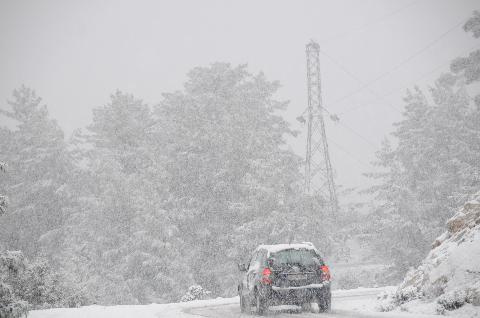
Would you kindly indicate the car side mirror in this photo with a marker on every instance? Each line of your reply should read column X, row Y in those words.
column 242, row 267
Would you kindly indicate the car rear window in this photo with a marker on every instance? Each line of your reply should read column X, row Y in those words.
column 296, row 256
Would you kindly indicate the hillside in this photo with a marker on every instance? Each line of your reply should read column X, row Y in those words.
column 448, row 280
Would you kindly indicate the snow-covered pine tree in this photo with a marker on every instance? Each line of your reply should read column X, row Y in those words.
column 3, row 198
column 37, row 183
column 38, row 177
column 228, row 170
column 469, row 66
column 434, row 167
column 124, row 245
column 12, row 266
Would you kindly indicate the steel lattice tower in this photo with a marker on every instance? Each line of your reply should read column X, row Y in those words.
column 318, row 169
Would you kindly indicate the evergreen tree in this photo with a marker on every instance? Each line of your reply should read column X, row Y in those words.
column 226, row 165
column 38, row 178
column 123, row 241
column 3, row 198
column 434, row 166
column 12, row 266
column 469, row 66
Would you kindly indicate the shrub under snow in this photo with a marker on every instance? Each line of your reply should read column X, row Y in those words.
column 195, row 292
column 12, row 265
column 28, row 285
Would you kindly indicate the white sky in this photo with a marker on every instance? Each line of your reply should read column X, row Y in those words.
column 76, row 53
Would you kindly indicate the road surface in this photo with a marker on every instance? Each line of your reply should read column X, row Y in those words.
column 350, row 304
column 356, row 303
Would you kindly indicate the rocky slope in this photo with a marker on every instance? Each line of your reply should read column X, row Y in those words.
column 449, row 277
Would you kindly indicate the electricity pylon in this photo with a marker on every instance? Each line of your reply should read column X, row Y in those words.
column 318, row 169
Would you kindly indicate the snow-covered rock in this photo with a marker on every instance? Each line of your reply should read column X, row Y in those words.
column 449, row 277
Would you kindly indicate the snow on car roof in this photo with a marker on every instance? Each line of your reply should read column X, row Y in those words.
column 280, row 247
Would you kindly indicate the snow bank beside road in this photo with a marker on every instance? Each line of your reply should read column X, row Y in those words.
column 449, row 277
column 129, row 311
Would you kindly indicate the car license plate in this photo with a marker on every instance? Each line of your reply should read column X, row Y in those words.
column 296, row 277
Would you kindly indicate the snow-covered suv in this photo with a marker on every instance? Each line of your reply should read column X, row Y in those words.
column 284, row 274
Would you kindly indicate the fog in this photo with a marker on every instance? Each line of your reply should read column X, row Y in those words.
column 228, row 158
column 77, row 53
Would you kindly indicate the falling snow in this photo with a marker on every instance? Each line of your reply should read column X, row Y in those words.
column 218, row 195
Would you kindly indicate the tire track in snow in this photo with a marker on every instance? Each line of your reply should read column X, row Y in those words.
column 232, row 310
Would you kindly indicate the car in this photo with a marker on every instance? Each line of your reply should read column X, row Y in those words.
column 284, row 274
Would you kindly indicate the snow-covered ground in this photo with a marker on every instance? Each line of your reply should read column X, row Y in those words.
column 359, row 303
column 448, row 280
column 128, row 311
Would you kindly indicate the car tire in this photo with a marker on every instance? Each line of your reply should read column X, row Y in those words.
column 260, row 304
column 242, row 304
column 324, row 303
column 306, row 307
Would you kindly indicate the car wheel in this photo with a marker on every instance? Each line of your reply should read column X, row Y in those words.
column 245, row 304
column 306, row 307
column 324, row 303
column 242, row 304
column 260, row 304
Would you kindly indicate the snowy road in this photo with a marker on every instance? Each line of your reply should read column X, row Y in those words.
column 356, row 303
column 346, row 304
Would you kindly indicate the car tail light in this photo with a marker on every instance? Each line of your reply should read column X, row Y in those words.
column 266, row 276
column 325, row 272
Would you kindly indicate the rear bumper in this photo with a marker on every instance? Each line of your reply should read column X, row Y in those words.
column 307, row 287
column 295, row 295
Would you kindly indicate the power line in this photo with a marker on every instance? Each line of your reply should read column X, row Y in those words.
column 361, row 82
column 343, row 68
column 370, row 143
column 360, row 136
column 370, row 23
column 367, row 84
column 354, row 157
column 353, row 131
column 403, row 62
column 412, row 82
column 423, row 75
column 383, row 96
